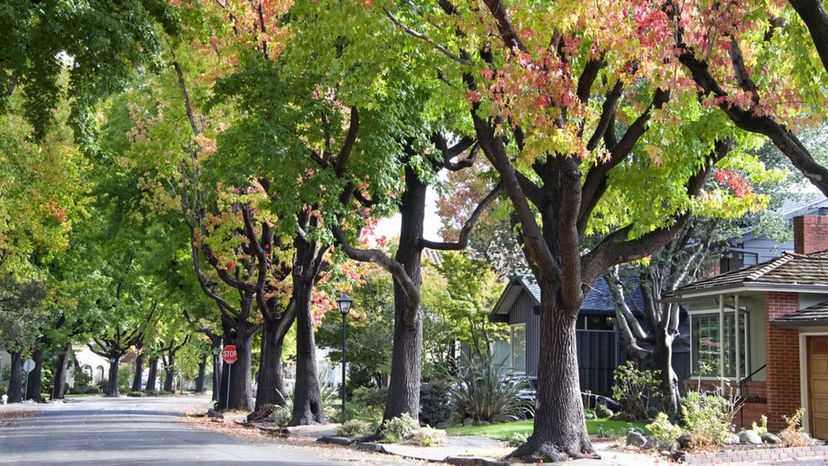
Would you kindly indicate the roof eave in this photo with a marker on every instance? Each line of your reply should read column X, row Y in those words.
column 746, row 287
column 798, row 323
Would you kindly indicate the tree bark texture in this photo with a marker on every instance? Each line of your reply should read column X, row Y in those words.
column 270, row 380
column 216, row 344
column 307, row 395
column 169, row 371
column 34, row 385
column 406, row 363
column 202, row 373
column 59, row 376
column 112, row 386
column 15, row 390
column 559, row 425
column 137, row 380
column 152, row 374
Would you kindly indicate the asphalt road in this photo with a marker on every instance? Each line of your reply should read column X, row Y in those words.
column 140, row 431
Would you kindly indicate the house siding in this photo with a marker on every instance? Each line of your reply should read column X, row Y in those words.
column 522, row 312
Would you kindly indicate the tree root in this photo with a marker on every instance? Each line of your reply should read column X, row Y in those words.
column 534, row 451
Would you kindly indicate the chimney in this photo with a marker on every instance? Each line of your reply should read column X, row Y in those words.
column 810, row 233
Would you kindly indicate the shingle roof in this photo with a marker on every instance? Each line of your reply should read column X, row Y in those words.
column 597, row 299
column 787, row 269
column 813, row 315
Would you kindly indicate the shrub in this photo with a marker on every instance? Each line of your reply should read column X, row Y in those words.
column 707, row 418
column 484, row 393
column 664, row 431
column 399, row 428
column 84, row 390
column 354, row 428
column 435, row 402
column 517, row 439
column 429, row 437
column 281, row 416
column 791, row 435
column 368, row 402
column 762, row 428
column 635, row 390
column 135, row 394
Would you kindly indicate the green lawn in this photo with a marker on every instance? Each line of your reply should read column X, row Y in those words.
column 505, row 430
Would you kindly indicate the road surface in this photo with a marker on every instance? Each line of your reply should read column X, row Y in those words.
column 142, row 431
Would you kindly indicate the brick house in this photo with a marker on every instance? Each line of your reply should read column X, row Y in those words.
column 762, row 331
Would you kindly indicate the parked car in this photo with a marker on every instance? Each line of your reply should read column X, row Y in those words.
column 529, row 393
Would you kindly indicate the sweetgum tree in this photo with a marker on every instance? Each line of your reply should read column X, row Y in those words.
column 602, row 149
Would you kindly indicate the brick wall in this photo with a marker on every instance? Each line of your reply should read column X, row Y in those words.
column 782, row 358
column 810, row 234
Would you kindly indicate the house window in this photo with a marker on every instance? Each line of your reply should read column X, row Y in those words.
column 518, row 343
column 706, row 346
column 605, row 323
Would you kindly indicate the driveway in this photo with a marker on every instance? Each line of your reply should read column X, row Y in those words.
column 141, row 431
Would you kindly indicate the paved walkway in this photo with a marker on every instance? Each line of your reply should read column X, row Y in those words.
column 141, row 431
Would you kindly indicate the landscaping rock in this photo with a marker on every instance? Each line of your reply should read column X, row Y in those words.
column 651, row 443
column 635, row 439
column 468, row 421
column 684, row 441
column 773, row 439
column 806, row 437
column 733, row 440
column 751, row 437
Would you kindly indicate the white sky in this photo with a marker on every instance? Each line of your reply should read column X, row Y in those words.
column 390, row 227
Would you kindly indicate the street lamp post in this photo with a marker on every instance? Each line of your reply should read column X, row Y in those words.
column 344, row 304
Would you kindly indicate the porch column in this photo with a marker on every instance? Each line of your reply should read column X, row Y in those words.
column 738, row 340
column 721, row 343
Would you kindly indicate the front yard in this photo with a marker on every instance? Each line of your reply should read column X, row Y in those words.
column 505, row 430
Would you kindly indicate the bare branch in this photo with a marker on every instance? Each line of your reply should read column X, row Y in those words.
column 465, row 232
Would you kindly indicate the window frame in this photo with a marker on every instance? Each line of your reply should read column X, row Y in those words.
column 512, row 328
column 745, row 340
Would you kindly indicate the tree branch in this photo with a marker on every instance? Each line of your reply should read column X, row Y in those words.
column 465, row 232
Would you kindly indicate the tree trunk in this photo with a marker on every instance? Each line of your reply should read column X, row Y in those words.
column 34, row 385
column 559, row 426
column 59, row 377
column 215, row 344
column 307, row 396
column 202, row 372
column 270, row 380
column 152, row 374
column 663, row 358
column 406, row 364
column 169, row 371
column 137, row 380
column 112, row 386
column 15, row 391
column 241, row 395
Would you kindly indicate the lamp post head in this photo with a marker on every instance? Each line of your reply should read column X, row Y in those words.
column 344, row 304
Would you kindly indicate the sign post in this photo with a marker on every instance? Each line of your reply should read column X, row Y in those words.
column 28, row 366
column 229, row 355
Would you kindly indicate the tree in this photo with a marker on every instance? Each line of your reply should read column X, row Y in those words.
column 20, row 321
column 576, row 125
column 87, row 51
column 734, row 59
column 684, row 258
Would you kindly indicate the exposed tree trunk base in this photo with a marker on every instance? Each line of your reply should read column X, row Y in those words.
column 34, row 386
column 202, row 372
column 152, row 375
column 538, row 451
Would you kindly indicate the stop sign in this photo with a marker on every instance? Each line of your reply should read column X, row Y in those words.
column 229, row 354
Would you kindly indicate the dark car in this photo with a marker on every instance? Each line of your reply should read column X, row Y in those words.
column 529, row 393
